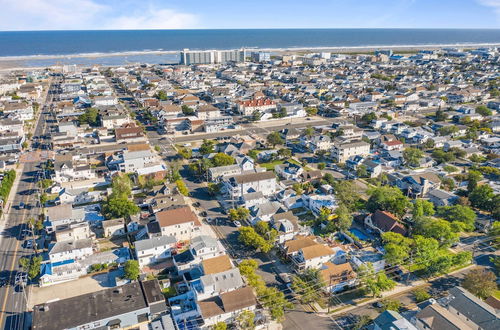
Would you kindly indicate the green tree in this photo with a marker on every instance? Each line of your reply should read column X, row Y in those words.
column 391, row 304
column 450, row 168
column 368, row 117
column 45, row 183
column 438, row 229
column 245, row 320
column 213, row 188
column 387, row 198
column 311, row 111
column 219, row 326
column 441, row 156
column 256, row 115
column 121, row 186
column 362, row 171
column 483, row 110
column 181, row 187
column 131, row 269
column 473, row 178
column 421, row 294
column 374, row 283
column 458, row 213
column 321, row 166
column 397, row 248
column 274, row 139
column 31, row 266
column 221, row 159
column 425, row 250
column 184, row 152
column 207, row 147
column 481, row 197
column 90, row 117
column 480, row 282
column 161, row 95
column 422, row 207
column 309, row 284
column 284, row 153
column 448, row 183
column 275, row 301
column 440, row 115
column 344, row 218
column 309, row 131
column 345, row 191
column 249, row 237
column 186, row 110
column 412, row 156
column 119, row 207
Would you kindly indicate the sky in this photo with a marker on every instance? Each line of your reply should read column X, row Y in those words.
column 16, row 15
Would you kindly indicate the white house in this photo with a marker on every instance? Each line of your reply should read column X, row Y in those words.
column 343, row 151
column 237, row 186
column 211, row 285
column 366, row 256
column 312, row 257
column 152, row 250
column 179, row 222
column 226, row 307
column 70, row 250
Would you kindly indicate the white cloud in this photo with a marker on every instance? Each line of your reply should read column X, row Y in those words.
column 89, row 14
column 495, row 4
column 154, row 19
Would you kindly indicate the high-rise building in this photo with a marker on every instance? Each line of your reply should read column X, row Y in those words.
column 261, row 56
column 189, row 57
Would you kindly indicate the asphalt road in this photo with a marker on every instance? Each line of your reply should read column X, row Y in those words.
column 154, row 137
column 13, row 298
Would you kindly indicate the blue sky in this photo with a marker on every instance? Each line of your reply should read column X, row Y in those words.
column 223, row 14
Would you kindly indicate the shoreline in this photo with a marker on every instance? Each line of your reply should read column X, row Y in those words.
column 335, row 49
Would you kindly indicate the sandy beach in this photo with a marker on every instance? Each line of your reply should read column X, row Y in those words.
column 9, row 63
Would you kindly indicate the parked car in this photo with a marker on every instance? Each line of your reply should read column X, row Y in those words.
column 237, row 224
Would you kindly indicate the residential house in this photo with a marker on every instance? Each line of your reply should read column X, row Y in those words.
column 441, row 197
column 337, row 277
column 435, row 317
column 134, row 304
column 68, row 168
column 114, row 227
column 73, row 231
column 179, row 222
column 70, row 250
column 129, row 133
column 247, row 108
column 201, row 248
column 316, row 202
column 391, row 320
column 341, row 152
column 312, row 257
column 215, row 284
column 471, row 310
column 238, row 185
column 288, row 170
column 383, row 221
column 287, row 226
column 367, row 256
column 154, row 250
column 226, row 307
column 63, row 214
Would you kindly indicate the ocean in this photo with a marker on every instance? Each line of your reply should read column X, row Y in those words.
column 95, row 43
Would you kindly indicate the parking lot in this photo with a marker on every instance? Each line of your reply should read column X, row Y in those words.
column 70, row 289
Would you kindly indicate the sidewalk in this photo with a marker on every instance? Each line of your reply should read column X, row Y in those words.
column 397, row 290
column 10, row 199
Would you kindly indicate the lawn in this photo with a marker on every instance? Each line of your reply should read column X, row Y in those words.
column 270, row 165
column 496, row 294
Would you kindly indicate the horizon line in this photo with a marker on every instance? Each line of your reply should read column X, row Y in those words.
column 253, row 29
